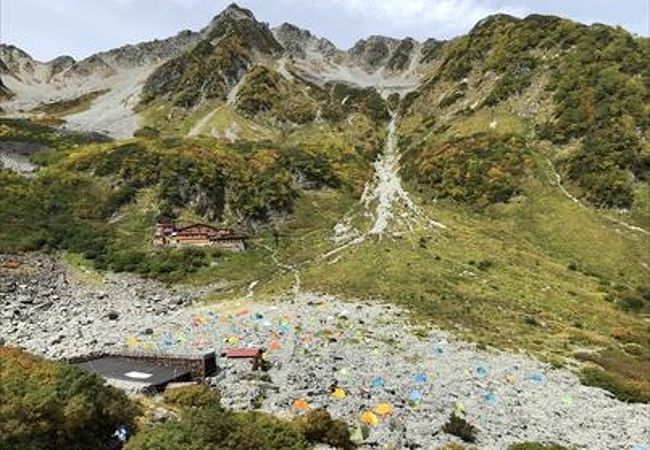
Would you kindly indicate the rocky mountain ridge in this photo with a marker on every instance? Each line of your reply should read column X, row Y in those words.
column 127, row 71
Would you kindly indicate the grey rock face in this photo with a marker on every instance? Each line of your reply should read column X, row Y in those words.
column 298, row 42
column 45, row 312
column 60, row 64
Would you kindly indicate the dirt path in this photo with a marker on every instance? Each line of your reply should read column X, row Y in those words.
column 297, row 285
column 567, row 194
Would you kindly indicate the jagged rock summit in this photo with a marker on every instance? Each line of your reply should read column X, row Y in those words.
column 192, row 67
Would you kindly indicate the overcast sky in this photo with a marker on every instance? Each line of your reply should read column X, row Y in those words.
column 50, row 28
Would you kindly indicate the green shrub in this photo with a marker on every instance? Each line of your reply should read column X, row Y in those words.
column 46, row 405
column 205, row 425
column 516, row 78
column 210, row 428
column 147, row 133
column 485, row 264
column 197, row 396
column 315, row 168
column 624, row 389
column 318, row 427
column 460, row 428
column 366, row 101
column 168, row 436
column 481, row 169
column 261, row 431
column 452, row 446
column 630, row 300
column 536, row 446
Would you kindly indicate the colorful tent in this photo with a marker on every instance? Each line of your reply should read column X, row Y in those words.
column 490, row 398
column 481, row 372
column 369, row 418
column 357, row 436
column 384, row 409
column 567, row 401
column 459, row 409
column 339, row 393
column 415, row 396
column 301, row 404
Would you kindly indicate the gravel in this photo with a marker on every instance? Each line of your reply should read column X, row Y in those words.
column 15, row 156
column 316, row 342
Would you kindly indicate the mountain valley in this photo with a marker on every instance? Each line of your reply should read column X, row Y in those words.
column 491, row 191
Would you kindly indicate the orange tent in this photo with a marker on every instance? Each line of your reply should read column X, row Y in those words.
column 301, row 404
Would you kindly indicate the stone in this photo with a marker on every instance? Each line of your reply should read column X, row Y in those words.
column 160, row 415
column 390, row 348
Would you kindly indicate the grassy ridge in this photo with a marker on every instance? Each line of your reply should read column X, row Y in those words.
column 574, row 84
column 64, row 108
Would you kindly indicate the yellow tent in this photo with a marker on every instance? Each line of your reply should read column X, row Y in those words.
column 369, row 418
column 384, row 409
column 339, row 393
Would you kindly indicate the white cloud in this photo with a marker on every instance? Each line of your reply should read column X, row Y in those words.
column 457, row 14
column 48, row 28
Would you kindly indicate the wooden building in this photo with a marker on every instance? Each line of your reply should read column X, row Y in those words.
column 200, row 235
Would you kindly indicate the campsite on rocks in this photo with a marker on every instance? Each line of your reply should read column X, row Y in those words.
column 244, row 237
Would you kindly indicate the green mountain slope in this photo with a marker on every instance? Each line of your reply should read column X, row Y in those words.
column 584, row 89
column 510, row 188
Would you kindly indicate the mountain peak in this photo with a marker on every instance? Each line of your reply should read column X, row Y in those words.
column 493, row 19
column 235, row 12
column 298, row 41
column 237, row 20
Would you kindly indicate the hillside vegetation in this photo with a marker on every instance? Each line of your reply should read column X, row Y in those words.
column 47, row 405
column 584, row 88
column 528, row 139
column 50, row 406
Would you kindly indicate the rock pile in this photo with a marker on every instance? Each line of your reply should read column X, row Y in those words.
column 51, row 315
column 363, row 362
